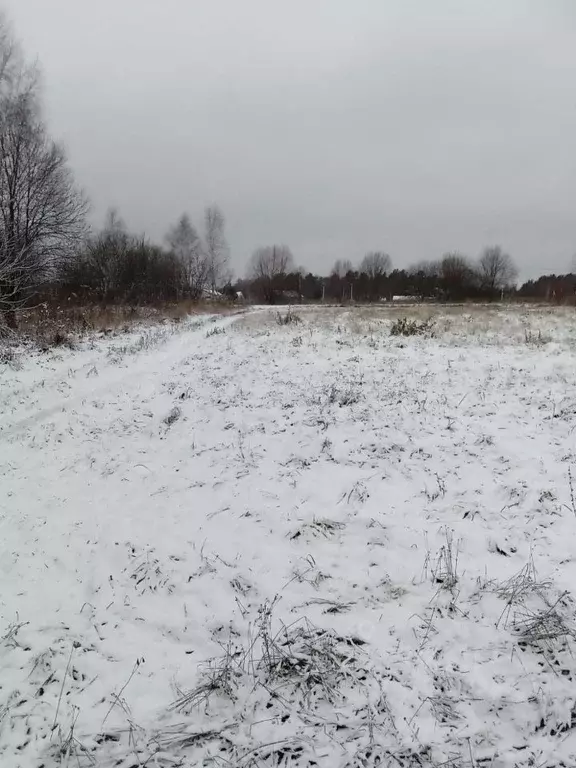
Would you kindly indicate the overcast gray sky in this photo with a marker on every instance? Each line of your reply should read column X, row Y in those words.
column 335, row 126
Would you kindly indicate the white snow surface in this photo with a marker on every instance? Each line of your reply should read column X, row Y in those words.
column 239, row 543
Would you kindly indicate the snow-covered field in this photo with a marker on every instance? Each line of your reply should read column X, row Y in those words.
column 235, row 543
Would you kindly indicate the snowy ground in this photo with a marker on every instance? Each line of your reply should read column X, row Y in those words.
column 235, row 543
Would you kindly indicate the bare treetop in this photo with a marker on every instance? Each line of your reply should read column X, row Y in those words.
column 9, row 52
column 114, row 224
column 186, row 246
column 376, row 264
column 267, row 265
column 425, row 268
column 497, row 270
column 270, row 261
column 454, row 263
column 216, row 246
column 342, row 267
column 183, row 238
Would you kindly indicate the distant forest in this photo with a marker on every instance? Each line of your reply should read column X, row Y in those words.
column 272, row 278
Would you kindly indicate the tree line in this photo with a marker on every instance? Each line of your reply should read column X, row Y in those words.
column 273, row 277
column 47, row 248
column 114, row 265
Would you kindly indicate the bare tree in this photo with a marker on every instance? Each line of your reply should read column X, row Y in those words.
column 423, row 278
column 15, row 271
column 186, row 246
column 216, row 247
column 116, row 265
column 114, row 224
column 376, row 264
column 429, row 269
column 496, row 269
column 10, row 55
column 457, row 275
column 339, row 286
column 16, row 274
column 267, row 266
column 342, row 267
column 102, row 258
column 454, row 264
column 42, row 213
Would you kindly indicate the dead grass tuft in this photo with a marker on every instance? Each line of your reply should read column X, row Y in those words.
column 10, row 358
column 173, row 416
column 319, row 527
column 307, row 663
column 290, row 318
column 405, row 327
column 541, row 626
column 445, row 569
column 531, row 611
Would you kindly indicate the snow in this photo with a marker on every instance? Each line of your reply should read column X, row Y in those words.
column 234, row 542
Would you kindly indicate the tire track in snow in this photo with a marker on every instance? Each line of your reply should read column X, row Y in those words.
column 176, row 349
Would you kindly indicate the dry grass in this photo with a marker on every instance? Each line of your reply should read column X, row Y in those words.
column 51, row 324
column 405, row 327
column 529, row 325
